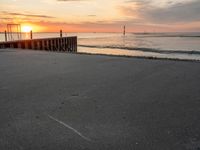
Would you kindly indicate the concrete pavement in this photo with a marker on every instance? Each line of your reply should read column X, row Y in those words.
column 58, row 101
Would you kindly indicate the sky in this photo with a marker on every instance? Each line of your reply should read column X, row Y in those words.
column 102, row 15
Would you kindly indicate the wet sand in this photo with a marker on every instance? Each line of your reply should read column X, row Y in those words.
column 88, row 102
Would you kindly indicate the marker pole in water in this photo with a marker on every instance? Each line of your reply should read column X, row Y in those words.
column 124, row 30
column 5, row 36
column 31, row 35
column 60, row 33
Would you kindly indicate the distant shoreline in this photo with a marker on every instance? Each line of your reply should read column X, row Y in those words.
column 118, row 32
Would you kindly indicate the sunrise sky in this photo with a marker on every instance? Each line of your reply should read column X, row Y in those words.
column 102, row 15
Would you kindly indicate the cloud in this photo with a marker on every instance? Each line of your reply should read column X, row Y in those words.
column 180, row 12
column 6, row 18
column 172, row 12
column 92, row 15
column 72, row 0
column 26, row 15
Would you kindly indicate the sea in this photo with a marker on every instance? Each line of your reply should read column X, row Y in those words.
column 184, row 46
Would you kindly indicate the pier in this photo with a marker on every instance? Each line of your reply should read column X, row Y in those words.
column 64, row 44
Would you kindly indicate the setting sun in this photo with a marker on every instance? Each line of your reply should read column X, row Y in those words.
column 26, row 28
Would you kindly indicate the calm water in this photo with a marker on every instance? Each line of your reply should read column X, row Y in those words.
column 161, row 45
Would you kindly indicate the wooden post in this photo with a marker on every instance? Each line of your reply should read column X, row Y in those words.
column 65, row 44
column 54, row 45
column 26, row 45
column 61, row 33
column 51, row 42
column 75, row 44
column 19, row 45
column 43, row 45
column 6, row 36
column 32, row 45
column 38, row 44
column 124, row 30
column 68, row 46
column 47, row 45
column 10, row 45
column 31, row 35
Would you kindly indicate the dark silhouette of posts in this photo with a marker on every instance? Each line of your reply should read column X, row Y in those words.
column 61, row 33
column 124, row 30
column 6, row 36
column 31, row 34
column 65, row 44
column 14, row 32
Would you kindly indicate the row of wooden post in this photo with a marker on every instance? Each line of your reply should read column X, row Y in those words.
column 65, row 44
column 61, row 43
column 31, row 35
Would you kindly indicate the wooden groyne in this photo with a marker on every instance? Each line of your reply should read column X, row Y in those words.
column 68, row 44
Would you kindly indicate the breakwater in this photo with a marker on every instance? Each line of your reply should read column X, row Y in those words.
column 68, row 44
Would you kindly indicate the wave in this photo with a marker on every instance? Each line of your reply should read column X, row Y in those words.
column 143, row 49
column 173, row 36
column 181, row 35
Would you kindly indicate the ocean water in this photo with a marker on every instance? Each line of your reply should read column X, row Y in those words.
column 158, row 45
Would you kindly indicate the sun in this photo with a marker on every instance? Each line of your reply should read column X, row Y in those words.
column 26, row 28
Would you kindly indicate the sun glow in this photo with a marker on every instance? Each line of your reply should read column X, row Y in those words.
column 26, row 28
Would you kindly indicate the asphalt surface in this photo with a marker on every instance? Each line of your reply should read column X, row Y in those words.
column 58, row 101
